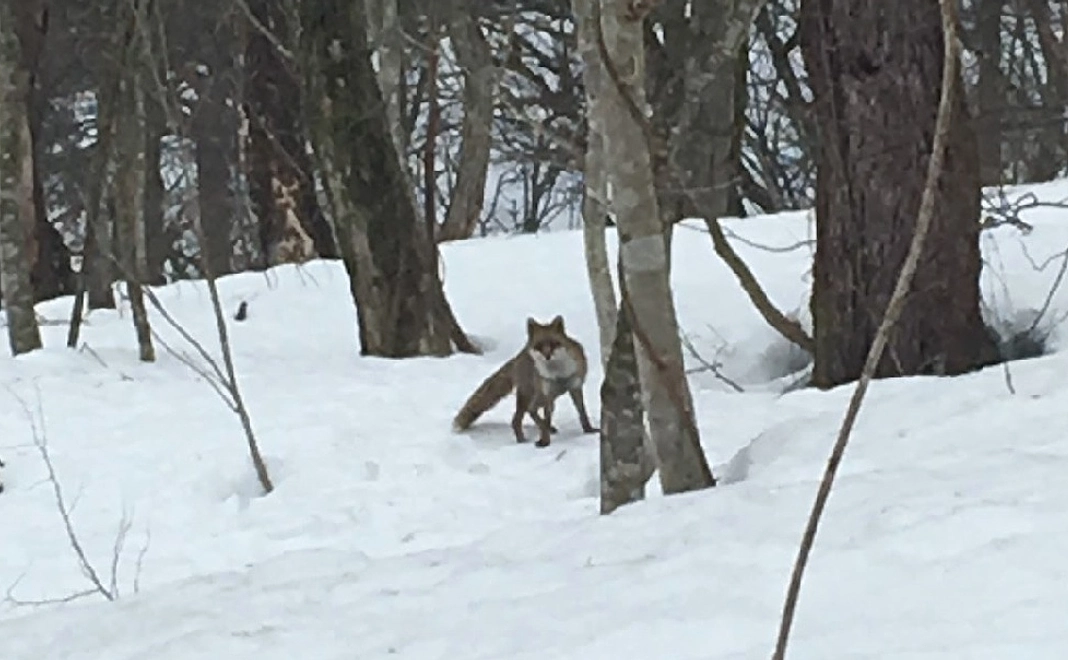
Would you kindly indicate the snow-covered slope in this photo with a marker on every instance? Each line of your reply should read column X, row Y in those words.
column 391, row 537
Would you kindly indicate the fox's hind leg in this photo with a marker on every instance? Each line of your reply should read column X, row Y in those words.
column 580, row 406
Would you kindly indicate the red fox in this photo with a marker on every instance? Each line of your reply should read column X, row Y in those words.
column 550, row 364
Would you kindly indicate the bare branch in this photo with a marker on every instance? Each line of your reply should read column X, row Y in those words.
column 40, row 435
column 950, row 73
column 714, row 367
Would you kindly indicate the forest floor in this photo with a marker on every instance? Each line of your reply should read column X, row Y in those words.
column 390, row 536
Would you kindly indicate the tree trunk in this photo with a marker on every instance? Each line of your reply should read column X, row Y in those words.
column 130, row 130
column 50, row 267
column 876, row 77
column 475, row 58
column 644, row 255
column 704, row 159
column 100, row 269
column 991, row 92
column 51, row 272
column 595, row 179
column 157, row 241
column 400, row 302
column 387, row 41
column 625, row 461
column 17, row 213
column 214, row 128
column 292, row 226
column 98, row 262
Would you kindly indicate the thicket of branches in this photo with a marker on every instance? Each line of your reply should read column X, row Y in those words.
column 520, row 58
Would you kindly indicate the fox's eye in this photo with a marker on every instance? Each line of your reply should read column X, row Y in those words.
column 545, row 347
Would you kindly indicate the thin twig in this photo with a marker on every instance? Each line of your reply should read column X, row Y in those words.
column 40, row 435
column 713, row 367
column 141, row 560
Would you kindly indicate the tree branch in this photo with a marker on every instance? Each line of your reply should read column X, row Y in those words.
column 943, row 124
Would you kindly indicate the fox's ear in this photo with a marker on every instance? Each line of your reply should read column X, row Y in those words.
column 557, row 323
column 532, row 325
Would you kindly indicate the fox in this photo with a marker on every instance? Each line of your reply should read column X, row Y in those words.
column 551, row 363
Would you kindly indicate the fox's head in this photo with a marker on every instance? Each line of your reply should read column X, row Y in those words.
column 545, row 339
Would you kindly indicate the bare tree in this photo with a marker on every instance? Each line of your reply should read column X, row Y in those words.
column 475, row 59
column 595, row 178
column 644, row 253
column 18, row 22
column 281, row 179
column 130, row 179
column 625, row 460
column 386, row 248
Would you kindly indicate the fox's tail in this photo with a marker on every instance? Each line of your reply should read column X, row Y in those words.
column 488, row 394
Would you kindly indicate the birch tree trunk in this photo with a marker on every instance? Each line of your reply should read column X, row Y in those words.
column 595, row 180
column 625, row 461
column 17, row 213
column 644, row 257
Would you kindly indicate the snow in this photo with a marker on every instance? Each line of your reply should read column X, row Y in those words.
column 389, row 536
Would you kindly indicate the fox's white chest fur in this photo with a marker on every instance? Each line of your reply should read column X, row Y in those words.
column 559, row 371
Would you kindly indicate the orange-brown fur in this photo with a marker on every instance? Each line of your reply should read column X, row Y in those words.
column 550, row 364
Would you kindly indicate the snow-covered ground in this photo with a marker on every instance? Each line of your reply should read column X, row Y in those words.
column 389, row 536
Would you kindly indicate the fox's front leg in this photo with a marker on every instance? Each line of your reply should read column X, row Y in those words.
column 544, row 428
column 580, row 406
column 548, row 413
column 541, row 419
column 522, row 407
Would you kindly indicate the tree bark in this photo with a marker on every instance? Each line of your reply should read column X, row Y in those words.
column 991, row 92
column 625, row 462
column 386, row 39
column 875, row 76
column 595, row 179
column 704, row 158
column 51, row 272
column 644, row 256
column 17, row 212
column 475, row 58
column 98, row 253
column 50, row 267
column 98, row 264
column 214, row 128
column 400, row 302
column 130, row 130
column 157, row 240
column 292, row 226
